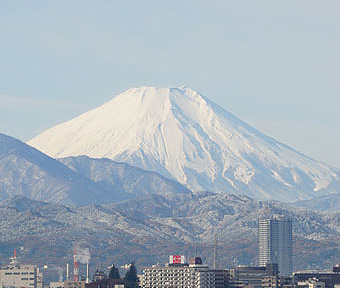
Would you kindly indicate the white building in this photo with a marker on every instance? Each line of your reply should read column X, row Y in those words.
column 311, row 283
column 178, row 274
column 16, row 275
column 58, row 284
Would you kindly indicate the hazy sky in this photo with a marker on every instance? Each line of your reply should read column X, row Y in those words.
column 274, row 64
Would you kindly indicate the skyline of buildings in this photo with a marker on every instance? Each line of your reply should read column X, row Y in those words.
column 275, row 244
column 177, row 273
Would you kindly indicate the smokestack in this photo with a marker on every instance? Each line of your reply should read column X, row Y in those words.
column 75, row 266
column 87, row 273
column 67, row 271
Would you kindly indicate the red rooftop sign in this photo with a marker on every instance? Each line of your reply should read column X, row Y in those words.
column 177, row 259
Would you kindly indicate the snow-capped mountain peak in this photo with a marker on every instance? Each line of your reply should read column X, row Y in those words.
column 183, row 135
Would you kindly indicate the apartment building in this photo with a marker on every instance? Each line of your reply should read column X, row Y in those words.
column 16, row 275
column 179, row 274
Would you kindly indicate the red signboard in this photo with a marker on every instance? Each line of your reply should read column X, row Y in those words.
column 176, row 259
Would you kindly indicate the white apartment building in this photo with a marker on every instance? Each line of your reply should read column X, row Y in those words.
column 20, row 276
column 182, row 275
column 16, row 275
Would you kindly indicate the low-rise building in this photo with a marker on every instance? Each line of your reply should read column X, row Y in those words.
column 252, row 276
column 287, row 282
column 74, row 284
column 57, row 284
column 99, row 275
column 106, row 283
column 311, row 283
column 331, row 278
column 271, row 282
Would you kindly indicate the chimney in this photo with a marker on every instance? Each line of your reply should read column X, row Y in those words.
column 75, row 266
column 67, row 271
column 87, row 273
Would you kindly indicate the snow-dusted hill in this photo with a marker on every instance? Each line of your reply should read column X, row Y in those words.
column 27, row 172
column 327, row 203
column 150, row 228
column 183, row 135
column 130, row 181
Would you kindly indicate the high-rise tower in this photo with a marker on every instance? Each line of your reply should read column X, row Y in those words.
column 276, row 243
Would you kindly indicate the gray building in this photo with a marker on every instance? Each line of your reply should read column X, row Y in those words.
column 276, row 243
column 252, row 276
column 330, row 278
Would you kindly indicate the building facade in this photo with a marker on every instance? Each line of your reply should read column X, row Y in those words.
column 331, row 278
column 252, row 276
column 183, row 275
column 17, row 276
column 311, row 283
column 276, row 243
column 74, row 284
column 106, row 283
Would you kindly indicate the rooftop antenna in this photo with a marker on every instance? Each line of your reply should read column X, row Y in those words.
column 14, row 260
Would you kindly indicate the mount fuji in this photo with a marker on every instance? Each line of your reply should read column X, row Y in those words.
column 184, row 136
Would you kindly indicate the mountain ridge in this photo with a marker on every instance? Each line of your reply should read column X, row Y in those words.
column 121, row 176
column 150, row 227
column 26, row 171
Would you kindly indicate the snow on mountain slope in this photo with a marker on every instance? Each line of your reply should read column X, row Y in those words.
column 131, row 181
column 183, row 135
column 27, row 172
column 328, row 203
column 75, row 181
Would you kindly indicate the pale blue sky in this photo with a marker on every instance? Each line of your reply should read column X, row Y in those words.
column 274, row 64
